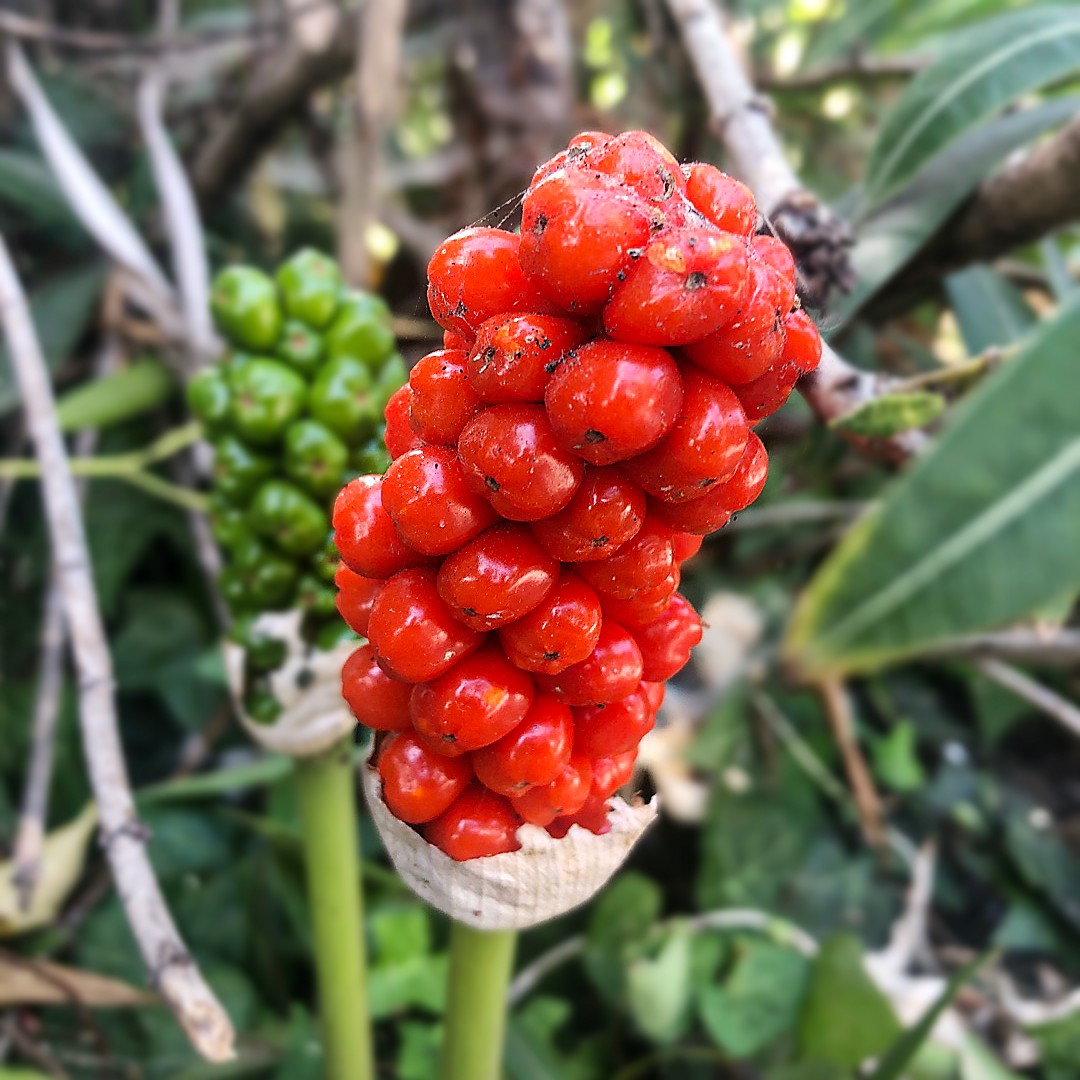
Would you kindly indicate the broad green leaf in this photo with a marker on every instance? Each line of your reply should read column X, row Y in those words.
column 1043, row 858
column 989, row 310
column 119, row 396
column 888, row 239
column 658, row 988
column 846, row 1018
column 758, row 1002
column 982, row 70
column 857, row 25
column 891, row 414
column 903, row 1051
column 979, row 1062
column 1062, row 282
column 27, row 185
column 980, row 531
column 621, row 919
column 261, row 773
column 60, row 311
column 896, row 759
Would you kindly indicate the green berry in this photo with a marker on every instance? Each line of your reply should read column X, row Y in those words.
column 239, row 470
column 267, row 396
column 392, row 376
column 282, row 513
column 316, row 596
column 310, row 284
column 343, row 399
column 208, row 397
column 372, row 457
column 315, row 458
column 245, row 306
column 267, row 577
column 361, row 329
column 230, row 526
column 261, row 705
column 325, row 562
column 301, row 348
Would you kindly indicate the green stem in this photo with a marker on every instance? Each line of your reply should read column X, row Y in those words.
column 326, row 790
column 480, row 965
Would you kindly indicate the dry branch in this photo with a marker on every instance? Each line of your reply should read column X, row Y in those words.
column 172, row 969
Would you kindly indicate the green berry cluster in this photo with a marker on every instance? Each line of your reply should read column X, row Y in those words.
column 293, row 409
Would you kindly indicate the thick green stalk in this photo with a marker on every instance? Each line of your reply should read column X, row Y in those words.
column 327, row 794
column 480, row 965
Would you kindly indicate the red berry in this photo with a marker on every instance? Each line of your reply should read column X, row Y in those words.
column 767, row 393
column 592, row 815
column 376, row 700
column 602, row 731
column 511, row 455
column 562, row 630
column 645, row 562
column 654, row 692
column 476, row 824
column 685, row 544
column 610, row 773
column 427, row 496
column 703, row 447
column 458, row 339
column 355, row 595
column 645, row 605
column 725, row 201
column 606, row 511
column 417, row 784
column 712, row 511
column 642, row 162
column 802, row 348
column 665, row 644
column 474, row 275
column 513, row 358
column 772, row 251
column 474, row 704
column 686, row 284
column 610, row 672
column 364, row 534
column 609, row 400
column 535, row 752
column 578, row 232
column 400, row 437
column 442, row 400
column 566, row 794
column 499, row 577
column 414, row 632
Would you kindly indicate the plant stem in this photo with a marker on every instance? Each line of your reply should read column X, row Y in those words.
column 480, row 965
column 327, row 797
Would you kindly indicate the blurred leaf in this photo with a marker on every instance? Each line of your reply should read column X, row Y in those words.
column 891, row 414
column 62, row 861
column 1043, row 859
column 809, row 1070
column 1062, row 282
column 186, row 842
column 303, row 1056
column 28, row 187
column 28, row 981
column 980, row 530
column 758, row 1002
column 132, row 390
column 989, row 309
column 60, row 310
column 405, row 972
column 979, row 72
column 855, row 27
column 846, row 1018
column 418, row 1053
column 224, row 781
column 532, row 1051
column 658, row 988
column 979, row 1062
column 1059, row 1042
column 621, row 917
column 901, row 1053
column 889, row 238
column 896, row 759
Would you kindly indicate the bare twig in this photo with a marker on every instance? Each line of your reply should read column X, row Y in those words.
column 860, row 68
column 1033, row 692
column 124, row 837
column 1059, row 649
column 837, row 703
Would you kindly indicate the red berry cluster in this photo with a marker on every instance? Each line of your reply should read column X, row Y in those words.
column 586, row 423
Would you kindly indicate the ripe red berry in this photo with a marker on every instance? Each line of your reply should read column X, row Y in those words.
column 458, row 339
column 802, row 347
column 645, row 562
column 713, row 510
column 498, row 577
column 355, row 595
column 609, row 400
column 592, row 815
column 641, row 162
column 476, row 824
column 725, row 201
column 645, row 605
column 514, row 356
column 442, row 400
column 417, row 784
column 609, row 673
column 767, row 393
column 535, row 752
column 610, row 773
column 665, row 643
column 562, row 630
column 703, row 447
column 365, row 536
column 478, row 701
column 376, row 700
column 566, row 794
column 511, row 455
column 428, row 498
column 578, row 233
column 654, row 692
column 400, row 437
column 601, row 731
column 686, row 545
column 606, row 511
column 414, row 632
column 474, row 275
column 772, row 251
column 687, row 283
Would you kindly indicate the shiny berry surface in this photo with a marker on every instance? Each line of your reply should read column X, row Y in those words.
column 601, row 731
column 609, row 673
column 666, row 642
column 355, row 595
column 442, row 400
column 377, row 701
column 477, row 823
column 365, row 535
column 534, row 753
column 418, row 785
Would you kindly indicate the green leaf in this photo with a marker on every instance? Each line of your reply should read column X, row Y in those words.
column 896, row 758
column 889, row 238
column 1059, row 1042
column 989, row 310
column 141, row 386
column 891, row 414
column 27, row 185
column 405, row 972
column 760, row 1000
column 658, row 989
column 261, row 773
column 846, row 1018
column 901, row 1053
column 1044, row 860
column 810, row 1070
column 621, row 918
column 60, row 311
column 981, row 530
column 981, row 70
column 418, row 1053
